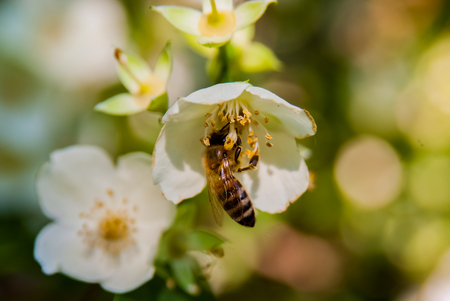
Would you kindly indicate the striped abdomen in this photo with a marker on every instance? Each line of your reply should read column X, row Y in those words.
column 236, row 202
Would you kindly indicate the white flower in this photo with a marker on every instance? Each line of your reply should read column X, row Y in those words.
column 107, row 221
column 258, row 115
column 218, row 21
column 147, row 89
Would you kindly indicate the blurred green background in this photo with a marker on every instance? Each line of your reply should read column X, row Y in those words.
column 375, row 75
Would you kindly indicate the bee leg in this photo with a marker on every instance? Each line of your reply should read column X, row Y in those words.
column 253, row 164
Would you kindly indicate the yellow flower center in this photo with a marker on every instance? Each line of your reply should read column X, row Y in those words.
column 217, row 24
column 239, row 120
column 152, row 86
column 110, row 230
column 114, row 226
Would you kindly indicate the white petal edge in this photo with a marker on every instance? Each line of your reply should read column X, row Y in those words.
column 59, row 249
column 121, row 105
column 136, row 268
column 215, row 41
column 183, row 18
column 177, row 162
column 220, row 5
column 282, row 175
column 217, row 94
column 249, row 12
column 73, row 178
column 295, row 120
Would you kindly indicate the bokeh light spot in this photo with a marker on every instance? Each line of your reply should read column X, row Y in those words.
column 369, row 172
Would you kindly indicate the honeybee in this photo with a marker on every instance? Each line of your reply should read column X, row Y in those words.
column 225, row 191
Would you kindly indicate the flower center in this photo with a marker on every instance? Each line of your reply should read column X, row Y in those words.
column 217, row 24
column 238, row 118
column 114, row 226
column 108, row 229
column 153, row 85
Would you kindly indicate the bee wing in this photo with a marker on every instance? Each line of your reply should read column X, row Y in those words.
column 216, row 206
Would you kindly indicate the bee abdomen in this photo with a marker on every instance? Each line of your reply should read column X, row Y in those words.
column 239, row 206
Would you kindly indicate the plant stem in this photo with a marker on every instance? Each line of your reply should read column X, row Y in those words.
column 224, row 73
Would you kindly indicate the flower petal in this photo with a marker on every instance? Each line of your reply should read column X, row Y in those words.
column 183, row 18
column 192, row 41
column 295, row 120
column 215, row 41
column 70, row 182
column 163, row 67
column 220, row 5
column 178, row 153
column 136, row 266
column 217, row 94
column 59, row 249
column 134, row 173
column 250, row 11
column 131, row 69
column 282, row 175
column 121, row 104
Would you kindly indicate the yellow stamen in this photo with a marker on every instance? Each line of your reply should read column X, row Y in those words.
column 205, row 141
column 229, row 143
column 269, row 144
column 113, row 227
column 255, row 122
column 266, row 120
column 213, row 122
column 268, row 137
column 251, row 133
column 256, row 112
column 247, row 113
column 206, row 124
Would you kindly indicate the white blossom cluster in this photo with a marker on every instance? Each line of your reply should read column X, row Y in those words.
column 107, row 219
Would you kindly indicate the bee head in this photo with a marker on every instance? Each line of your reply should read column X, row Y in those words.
column 219, row 137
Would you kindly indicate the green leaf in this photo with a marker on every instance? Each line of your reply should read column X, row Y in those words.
column 121, row 104
column 183, row 271
column 199, row 240
column 172, row 295
column 259, row 58
column 160, row 104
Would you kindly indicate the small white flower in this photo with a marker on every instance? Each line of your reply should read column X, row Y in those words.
column 218, row 21
column 147, row 89
column 107, row 221
column 260, row 117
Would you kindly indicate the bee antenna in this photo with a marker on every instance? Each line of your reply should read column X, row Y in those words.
column 224, row 126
